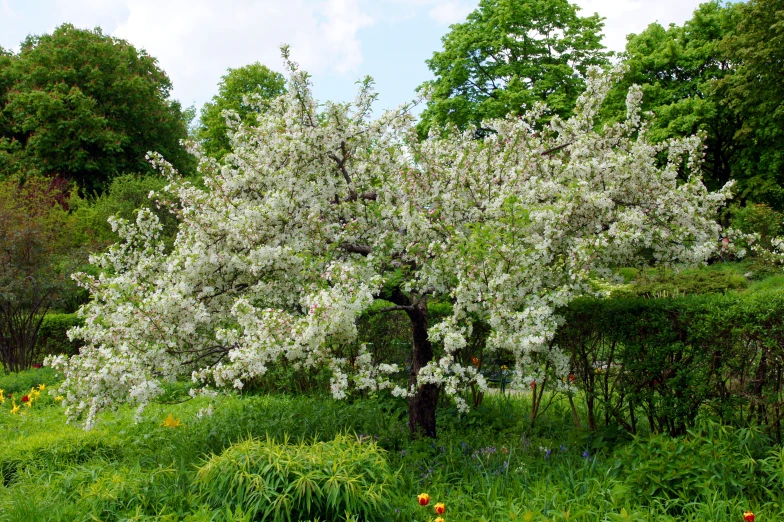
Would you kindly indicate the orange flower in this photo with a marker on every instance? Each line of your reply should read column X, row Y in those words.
column 440, row 508
column 424, row 499
column 748, row 516
column 475, row 361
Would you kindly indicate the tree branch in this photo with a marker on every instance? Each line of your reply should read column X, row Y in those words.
column 341, row 162
column 556, row 149
column 396, row 308
column 356, row 249
column 353, row 196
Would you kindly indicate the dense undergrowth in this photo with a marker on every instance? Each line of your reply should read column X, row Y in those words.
column 317, row 457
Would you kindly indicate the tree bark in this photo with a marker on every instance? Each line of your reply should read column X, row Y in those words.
column 422, row 404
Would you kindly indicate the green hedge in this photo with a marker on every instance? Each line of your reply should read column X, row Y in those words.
column 52, row 338
column 662, row 363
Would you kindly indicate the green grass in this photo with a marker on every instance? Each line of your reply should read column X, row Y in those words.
column 486, row 465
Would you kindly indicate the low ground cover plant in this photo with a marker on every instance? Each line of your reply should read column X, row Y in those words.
column 182, row 462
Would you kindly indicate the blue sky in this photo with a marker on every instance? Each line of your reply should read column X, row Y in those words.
column 338, row 41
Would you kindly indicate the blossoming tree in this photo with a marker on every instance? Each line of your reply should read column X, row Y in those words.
column 317, row 213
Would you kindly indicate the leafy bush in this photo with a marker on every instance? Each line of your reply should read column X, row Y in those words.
column 33, row 236
column 667, row 283
column 757, row 219
column 663, row 362
column 286, row 481
column 52, row 338
column 710, row 461
column 127, row 193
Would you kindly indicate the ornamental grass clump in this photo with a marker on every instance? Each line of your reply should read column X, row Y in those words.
column 342, row 479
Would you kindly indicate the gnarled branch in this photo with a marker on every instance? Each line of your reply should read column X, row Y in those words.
column 357, row 249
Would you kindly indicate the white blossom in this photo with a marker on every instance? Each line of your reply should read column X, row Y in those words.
column 317, row 208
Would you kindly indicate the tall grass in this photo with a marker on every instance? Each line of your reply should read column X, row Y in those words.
column 485, row 465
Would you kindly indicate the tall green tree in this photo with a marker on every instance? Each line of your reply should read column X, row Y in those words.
column 678, row 68
column 88, row 107
column 243, row 91
column 508, row 55
column 756, row 90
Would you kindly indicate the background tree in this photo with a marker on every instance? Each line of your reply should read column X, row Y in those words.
column 244, row 91
column 34, row 241
column 9, row 147
column 508, row 55
column 87, row 107
column 678, row 68
column 755, row 91
column 124, row 196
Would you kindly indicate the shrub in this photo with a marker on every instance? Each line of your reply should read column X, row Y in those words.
column 283, row 481
column 712, row 461
column 52, row 336
column 666, row 360
column 33, row 234
column 757, row 219
column 126, row 194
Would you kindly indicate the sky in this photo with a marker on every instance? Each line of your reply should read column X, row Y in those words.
column 337, row 41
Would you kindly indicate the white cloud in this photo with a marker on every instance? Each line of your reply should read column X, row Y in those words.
column 448, row 13
column 633, row 16
column 195, row 41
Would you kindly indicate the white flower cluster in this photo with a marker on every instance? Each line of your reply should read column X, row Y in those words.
column 318, row 209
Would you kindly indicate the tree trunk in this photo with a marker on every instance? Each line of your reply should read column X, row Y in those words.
column 421, row 405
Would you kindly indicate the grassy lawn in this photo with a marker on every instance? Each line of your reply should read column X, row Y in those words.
column 486, row 465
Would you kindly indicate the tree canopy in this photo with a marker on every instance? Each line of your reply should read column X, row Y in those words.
column 507, row 56
column 244, row 91
column 719, row 74
column 318, row 214
column 87, row 107
column 755, row 92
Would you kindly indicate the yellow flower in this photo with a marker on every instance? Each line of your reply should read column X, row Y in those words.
column 2, row 396
column 15, row 408
column 41, row 387
column 58, row 398
column 171, row 422
column 439, row 519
